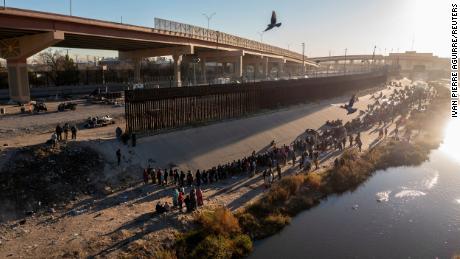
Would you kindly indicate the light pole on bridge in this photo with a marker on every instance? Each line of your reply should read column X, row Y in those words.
column 303, row 59
column 261, row 34
column 345, row 63
column 208, row 17
column 70, row 7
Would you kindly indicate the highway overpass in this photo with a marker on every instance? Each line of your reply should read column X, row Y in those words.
column 24, row 33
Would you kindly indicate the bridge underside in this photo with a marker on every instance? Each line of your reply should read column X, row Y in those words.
column 25, row 33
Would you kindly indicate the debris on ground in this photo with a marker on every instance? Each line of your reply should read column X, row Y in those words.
column 39, row 177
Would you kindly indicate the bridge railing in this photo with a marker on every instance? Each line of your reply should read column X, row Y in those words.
column 196, row 32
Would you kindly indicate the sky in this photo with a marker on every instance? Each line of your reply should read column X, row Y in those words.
column 326, row 26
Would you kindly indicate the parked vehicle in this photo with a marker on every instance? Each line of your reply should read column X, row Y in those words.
column 95, row 122
column 67, row 106
column 39, row 107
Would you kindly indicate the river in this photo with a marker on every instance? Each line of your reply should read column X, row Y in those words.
column 402, row 212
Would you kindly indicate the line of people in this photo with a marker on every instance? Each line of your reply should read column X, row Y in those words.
column 309, row 147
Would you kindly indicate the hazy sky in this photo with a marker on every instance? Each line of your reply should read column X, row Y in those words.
column 326, row 25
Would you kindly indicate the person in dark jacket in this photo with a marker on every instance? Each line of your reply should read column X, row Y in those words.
column 73, row 129
column 59, row 132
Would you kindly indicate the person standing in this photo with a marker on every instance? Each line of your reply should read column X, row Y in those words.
column 180, row 199
column 59, row 132
column 118, row 153
column 199, row 197
column 133, row 139
column 74, row 132
column 66, row 131
column 54, row 139
column 165, row 176
column 145, row 175
column 175, row 197
column 359, row 142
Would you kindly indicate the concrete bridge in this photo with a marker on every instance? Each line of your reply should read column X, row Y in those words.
column 24, row 33
column 348, row 58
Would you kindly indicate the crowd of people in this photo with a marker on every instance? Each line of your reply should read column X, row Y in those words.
column 61, row 133
column 305, row 152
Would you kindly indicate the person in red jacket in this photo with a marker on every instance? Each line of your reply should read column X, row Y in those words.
column 199, row 197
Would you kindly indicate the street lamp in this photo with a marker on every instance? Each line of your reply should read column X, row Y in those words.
column 70, row 7
column 208, row 17
column 373, row 57
column 261, row 34
column 345, row 63
column 303, row 59
column 4, row 4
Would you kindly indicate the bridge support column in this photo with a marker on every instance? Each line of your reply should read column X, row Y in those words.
column 280, row 66
column 239, row 67
column 177, row 72
column 137, row 70
column 203, row 70
column 266, row 70
column 18, row 80
column 16, row 51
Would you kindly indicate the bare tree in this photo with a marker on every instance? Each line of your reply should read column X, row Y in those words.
column 61, row 68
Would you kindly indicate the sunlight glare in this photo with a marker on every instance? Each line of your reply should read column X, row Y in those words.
column 451, row 144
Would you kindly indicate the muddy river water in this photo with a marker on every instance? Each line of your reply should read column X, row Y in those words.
column 403, row 212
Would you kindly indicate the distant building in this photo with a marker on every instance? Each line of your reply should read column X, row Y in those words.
column 411, row 61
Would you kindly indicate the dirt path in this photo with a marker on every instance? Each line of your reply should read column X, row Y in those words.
column 104, row 227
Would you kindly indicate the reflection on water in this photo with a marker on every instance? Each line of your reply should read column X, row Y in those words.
column 404, row 212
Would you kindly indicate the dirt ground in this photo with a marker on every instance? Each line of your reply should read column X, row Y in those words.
column 107, row 226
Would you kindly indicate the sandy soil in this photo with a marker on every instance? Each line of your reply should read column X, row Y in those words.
column 106, row 227
column 15, row 124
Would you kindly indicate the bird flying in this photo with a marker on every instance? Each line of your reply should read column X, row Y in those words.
column 273, row 23
column 349, row 106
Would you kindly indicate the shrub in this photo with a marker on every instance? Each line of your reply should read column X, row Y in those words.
column 219, row 222
column 213, row 246
column 242, row 246
column 249, row 224
column 277, row 195
column 291, row 183
column 314, row 180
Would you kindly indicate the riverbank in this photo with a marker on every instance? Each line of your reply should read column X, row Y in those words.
column 123, row 224
column 293, row 194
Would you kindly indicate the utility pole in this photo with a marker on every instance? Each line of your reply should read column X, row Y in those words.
column 303, row 59
column 208, row 17
column 373, row 57
column 345, row 64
